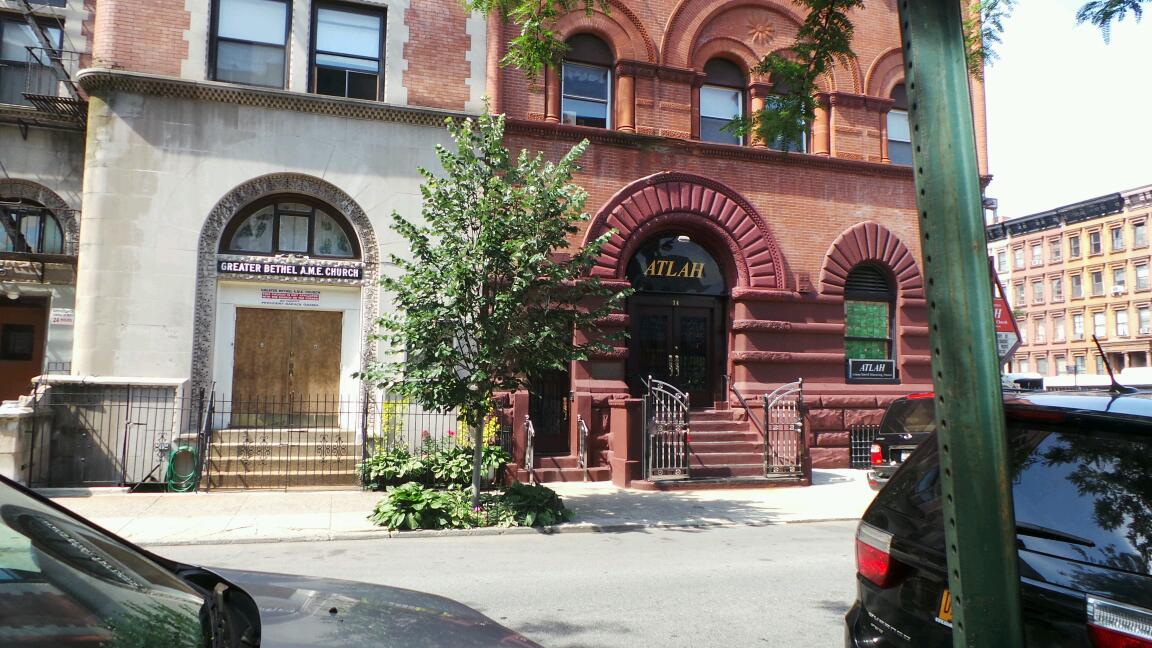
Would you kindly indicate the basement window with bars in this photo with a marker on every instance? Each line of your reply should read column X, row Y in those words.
column 868, row 302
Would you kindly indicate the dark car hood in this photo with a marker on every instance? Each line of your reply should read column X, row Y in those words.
column 297, row 611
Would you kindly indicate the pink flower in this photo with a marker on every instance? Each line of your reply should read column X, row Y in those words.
column 451, row 433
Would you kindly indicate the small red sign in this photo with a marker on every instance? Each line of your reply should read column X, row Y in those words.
column 1007, row 332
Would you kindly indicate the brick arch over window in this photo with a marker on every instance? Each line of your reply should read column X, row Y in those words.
column 871, row 242
column 691, row 16
column 726, row 48
column 699, row 205
column 204, row 328
column 885, row 73
column 626, row 36
column 35, row 192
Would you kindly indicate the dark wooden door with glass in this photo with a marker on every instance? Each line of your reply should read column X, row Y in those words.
column 286, row 367
column 678, row 339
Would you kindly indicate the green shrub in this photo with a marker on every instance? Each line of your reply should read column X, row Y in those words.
column 450, row 464
column 392, row 467
column 534, row 505
column 413, row 506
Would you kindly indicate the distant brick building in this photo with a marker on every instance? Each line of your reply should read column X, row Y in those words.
column 212, row 189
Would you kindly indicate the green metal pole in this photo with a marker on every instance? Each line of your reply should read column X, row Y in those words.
column 978, row 516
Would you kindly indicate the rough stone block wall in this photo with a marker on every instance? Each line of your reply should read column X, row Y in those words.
column 141, row 35
column 830, row 420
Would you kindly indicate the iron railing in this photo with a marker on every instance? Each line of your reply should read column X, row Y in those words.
column 861, row 437
column 784, row 423
column 530, row 449
column 665, row 432
column 402, row 422
column 582, row 441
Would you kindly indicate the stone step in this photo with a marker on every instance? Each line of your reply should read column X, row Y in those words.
column 715, row 426
column 712, row 415
column 734, row 470
column 708, row 446
column 719, row 459
column 561, row 462
column 284, row 465
column 546, row 475
column 299, row 479
column 695, row 435
column 283, row 435
column 281, row 451
column 715, row 483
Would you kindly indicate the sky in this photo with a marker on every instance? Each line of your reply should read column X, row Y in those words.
column 1069, row 117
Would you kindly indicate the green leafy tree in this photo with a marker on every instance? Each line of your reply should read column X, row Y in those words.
column 491, row 294
column 823, row 40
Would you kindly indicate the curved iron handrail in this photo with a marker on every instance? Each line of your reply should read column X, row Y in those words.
column 786, row 461
column 530, row 449
column 665, row 448
column 582, row 445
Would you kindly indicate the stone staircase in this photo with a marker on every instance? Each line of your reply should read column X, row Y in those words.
column 282, row 458
column 723, row 444
column 562, row 469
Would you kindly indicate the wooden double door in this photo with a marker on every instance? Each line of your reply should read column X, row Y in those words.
column 286, row 367
column 678, row 339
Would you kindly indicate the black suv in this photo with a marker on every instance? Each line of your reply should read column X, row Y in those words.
column 1081, row 470
column 907, row 421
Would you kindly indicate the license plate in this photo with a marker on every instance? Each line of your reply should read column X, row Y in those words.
column 944, row 615
column 896, row 456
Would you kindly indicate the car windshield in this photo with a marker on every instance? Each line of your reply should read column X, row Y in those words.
column 910, row 416
column 63, row 584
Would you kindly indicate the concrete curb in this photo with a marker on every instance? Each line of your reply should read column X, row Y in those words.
column 572, row 527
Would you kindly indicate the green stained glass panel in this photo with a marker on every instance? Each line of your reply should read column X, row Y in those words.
column 866, row 319
column 866, row 349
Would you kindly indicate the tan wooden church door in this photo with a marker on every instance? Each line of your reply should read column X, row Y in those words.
column 286, row 366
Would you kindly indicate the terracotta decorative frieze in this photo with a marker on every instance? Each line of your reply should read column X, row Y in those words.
column 871, row 242
column 846, row 100
column 774, row 326
column 778, row 357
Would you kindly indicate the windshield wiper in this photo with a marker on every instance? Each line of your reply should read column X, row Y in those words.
column 1036, row 531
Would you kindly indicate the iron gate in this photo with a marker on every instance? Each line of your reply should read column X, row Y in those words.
column 665, row 432
column 784, row 427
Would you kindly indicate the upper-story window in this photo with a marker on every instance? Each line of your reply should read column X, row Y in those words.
column 29, row 228
column 1054, row 253
column 1037, row 254
column 1002, row 261
column 586, row 83
column 290, row 225
column 20, row 68
column 249, row 42
column 347, row 51
column 1094, row 244
column 1074, row 246
column 721, row 101
column 1018, row 258
column 774, row 102
column 899, row 134
column 1117, row 239
column 1139, row 235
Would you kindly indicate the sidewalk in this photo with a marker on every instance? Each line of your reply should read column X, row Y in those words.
column 295, row 516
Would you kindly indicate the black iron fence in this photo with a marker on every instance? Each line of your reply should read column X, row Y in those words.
column 861, row 441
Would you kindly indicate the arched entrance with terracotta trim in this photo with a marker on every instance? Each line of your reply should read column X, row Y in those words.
column 679, row 333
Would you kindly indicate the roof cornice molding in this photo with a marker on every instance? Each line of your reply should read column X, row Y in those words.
column 97, row 81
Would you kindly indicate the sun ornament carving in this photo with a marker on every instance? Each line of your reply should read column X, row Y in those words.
column 760, row 32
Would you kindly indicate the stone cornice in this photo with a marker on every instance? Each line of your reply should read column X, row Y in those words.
column 96, row 81
column 561, row 132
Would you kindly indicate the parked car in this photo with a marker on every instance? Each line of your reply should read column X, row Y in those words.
column 1081, row 475
column 906, row 423
column 66, row 582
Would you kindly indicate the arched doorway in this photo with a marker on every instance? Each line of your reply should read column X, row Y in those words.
column 677, row 317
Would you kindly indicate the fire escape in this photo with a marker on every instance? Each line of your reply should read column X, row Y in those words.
column 48, row 84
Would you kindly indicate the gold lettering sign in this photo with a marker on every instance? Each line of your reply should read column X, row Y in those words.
column 663, row 268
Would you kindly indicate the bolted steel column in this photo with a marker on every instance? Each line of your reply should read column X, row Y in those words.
column 978, row 516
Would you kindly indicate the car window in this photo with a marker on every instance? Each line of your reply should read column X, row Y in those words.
column 1089, row 482
column 75, row 586
column 910, row 417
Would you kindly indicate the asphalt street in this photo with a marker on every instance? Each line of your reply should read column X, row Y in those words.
column 775, row 585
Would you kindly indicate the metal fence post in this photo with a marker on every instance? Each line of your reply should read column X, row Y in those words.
column 976, row 490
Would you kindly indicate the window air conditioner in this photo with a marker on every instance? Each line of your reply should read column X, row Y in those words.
column 1118, row 290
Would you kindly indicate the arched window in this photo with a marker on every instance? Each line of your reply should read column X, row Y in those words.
column 586, row 83
column 774, row 101
column 29, row 227
column 290, row 225
column 868, row 301
column 899, row 135
column 721, row 101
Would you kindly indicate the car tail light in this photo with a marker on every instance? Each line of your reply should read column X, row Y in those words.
column 1113, row 625
column 920, row 395
column 873, row 554
column 874, row 452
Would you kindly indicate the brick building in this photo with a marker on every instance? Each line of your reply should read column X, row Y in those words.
column 1074, row 272
column 215, row 179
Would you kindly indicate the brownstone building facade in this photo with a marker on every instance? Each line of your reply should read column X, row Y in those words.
column 207, row 172
column 798, row 238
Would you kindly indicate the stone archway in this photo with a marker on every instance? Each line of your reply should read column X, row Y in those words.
column 65, row 215
column 670, row 200
column 871, row 242
column 227, row 207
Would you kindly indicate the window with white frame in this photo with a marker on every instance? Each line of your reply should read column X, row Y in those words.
column 1002, row 261
column 1097, row 283
column 899, row 133
column 1077, row 283
column 249, row 42
column 1094, row 244
column 1117, row 239
column 586, row 82
column 1057, row 284
column 1022, row 366
column 1018, row 294
column 1121, row 317
column 1144, row 320
column 1054, row 250
column 1040, row 336
column 1037, row 254
column 1025, row 333
column 1042, row 365
column 1139, row 235
column 1058, row 328
column 721, row 101
column 1079, row 363
column 1100, row 324
column 1078, row 326
column 1141, row 276
column 1018, row 258
column 1119, row 279
column 1038, row 291
column 1074, row 246
column 1099, row 363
